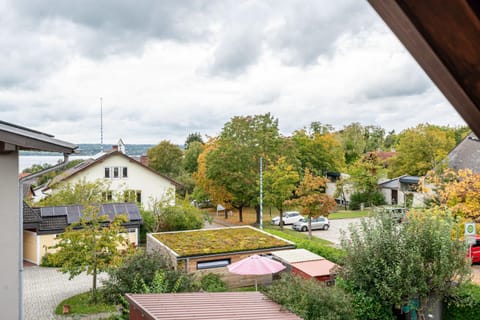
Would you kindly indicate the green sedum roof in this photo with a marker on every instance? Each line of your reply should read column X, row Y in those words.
column 214, row 241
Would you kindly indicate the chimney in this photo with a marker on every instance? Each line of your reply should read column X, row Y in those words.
column 144, row 160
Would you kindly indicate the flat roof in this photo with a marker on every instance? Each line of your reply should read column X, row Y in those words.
column 296, row 255
column 221, row 240
column 209, row 306
column 316, row 268
column 28, row 139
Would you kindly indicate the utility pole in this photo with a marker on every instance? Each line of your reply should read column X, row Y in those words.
column 261, row 187
column 101, row 124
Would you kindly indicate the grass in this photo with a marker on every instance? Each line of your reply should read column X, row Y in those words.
column 348, row 214
column 200, row 242
column 81, row 304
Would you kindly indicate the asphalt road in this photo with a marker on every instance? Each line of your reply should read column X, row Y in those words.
column 334, row 233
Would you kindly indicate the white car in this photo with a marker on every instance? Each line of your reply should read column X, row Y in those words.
column 289, row 217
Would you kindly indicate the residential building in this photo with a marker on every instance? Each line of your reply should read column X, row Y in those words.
column 129, row 180
column 41, row 226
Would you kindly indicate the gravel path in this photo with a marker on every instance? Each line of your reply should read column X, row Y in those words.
column 45, row 288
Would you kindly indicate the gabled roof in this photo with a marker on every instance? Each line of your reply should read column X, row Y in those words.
column 395, row 182
column 95, row 161
column 28, row 139
column 466, row 155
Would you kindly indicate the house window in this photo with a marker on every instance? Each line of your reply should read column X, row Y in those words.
column 107, row 172
column 132, row 196
column 125, row 172
column 115, row 172
column 212, row 264
column 107, row 196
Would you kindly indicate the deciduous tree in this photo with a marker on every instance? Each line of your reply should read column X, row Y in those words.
column 279, row 182
column 312, row 199
column 166, row 158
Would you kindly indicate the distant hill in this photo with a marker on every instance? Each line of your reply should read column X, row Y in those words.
column 90, row 149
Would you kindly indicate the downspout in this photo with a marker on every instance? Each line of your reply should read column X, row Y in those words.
column 21, row 182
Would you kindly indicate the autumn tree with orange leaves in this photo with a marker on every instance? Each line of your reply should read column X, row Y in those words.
column 311, row 198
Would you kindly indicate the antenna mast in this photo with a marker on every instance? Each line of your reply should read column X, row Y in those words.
column 101, row 124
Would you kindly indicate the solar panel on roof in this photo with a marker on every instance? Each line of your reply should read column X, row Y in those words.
column 74, row 213
column 46, row 211
column 133, row 212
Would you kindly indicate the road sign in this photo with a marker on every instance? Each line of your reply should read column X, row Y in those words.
column 470, row 229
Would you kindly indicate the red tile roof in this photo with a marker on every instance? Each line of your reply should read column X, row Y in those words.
column 208, row 306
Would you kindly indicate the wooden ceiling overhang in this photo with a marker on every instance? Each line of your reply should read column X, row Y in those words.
column 444, row 37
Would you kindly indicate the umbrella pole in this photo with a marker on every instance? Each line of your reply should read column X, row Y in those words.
column 256, row 289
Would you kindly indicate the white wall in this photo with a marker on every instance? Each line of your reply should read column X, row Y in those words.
column 9, row 237
column 152, row 185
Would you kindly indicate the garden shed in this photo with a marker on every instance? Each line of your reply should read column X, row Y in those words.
column 212, row 250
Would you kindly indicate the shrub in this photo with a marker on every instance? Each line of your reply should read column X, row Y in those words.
column 51, row 260
column 137, row 269
column 464, row 303
column 375, row 198
column 310, row 299
column 180, row 218
column 212, row 282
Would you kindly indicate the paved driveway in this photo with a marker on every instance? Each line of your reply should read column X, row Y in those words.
column 45, row 288
column 333, row 234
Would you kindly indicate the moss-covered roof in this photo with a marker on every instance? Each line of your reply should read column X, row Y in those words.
column 214, row 241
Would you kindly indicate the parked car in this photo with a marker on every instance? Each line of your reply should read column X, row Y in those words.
column 289, row 217
column 474, row 251
column 321, row 223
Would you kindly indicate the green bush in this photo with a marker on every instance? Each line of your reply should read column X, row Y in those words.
column 180, row 218
column 211, row 282
column 51, row 260
column 310, row 299
column 375, row 198
column 464, row 303
column 139, row 270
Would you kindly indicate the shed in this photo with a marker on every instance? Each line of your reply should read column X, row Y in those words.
column 206, row 306
column 321, row 270
column 201, row 251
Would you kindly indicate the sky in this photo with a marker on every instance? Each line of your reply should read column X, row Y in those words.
column 162, row 69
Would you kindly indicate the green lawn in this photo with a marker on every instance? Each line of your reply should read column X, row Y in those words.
column 81, row 304
column 348, row 214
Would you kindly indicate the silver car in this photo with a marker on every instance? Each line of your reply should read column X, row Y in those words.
column 317, row 223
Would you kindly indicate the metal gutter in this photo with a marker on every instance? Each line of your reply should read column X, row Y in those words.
column 21, row 182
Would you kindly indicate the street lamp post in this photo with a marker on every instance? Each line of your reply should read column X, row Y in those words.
column 261, row 187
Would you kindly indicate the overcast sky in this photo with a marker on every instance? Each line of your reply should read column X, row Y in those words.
column 166, row 68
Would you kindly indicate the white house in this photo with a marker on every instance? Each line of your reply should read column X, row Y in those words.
column 12, row 139
column 402, row 191
column 129, row 180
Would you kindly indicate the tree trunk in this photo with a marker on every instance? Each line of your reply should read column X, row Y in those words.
column 257, row 211
column 240, row 213
column 309, row 228
column 280, row 223
column 94, row 285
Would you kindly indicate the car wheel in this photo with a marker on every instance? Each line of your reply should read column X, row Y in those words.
column 304, row 229
column 325, row 227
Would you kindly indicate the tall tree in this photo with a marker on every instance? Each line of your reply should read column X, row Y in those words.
column 279, row 182
column 421, row 149
column 353, row 141
column 312, row 199
column 81, row 192
column 193, row 137
column 190, row 163
column 319, row 153
column 374, row 138
column 166, row 158
column 234, row 164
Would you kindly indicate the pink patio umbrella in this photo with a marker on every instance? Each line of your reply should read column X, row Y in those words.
column 255, row 265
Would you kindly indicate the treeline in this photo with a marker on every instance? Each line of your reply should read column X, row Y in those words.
column 226, row 168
